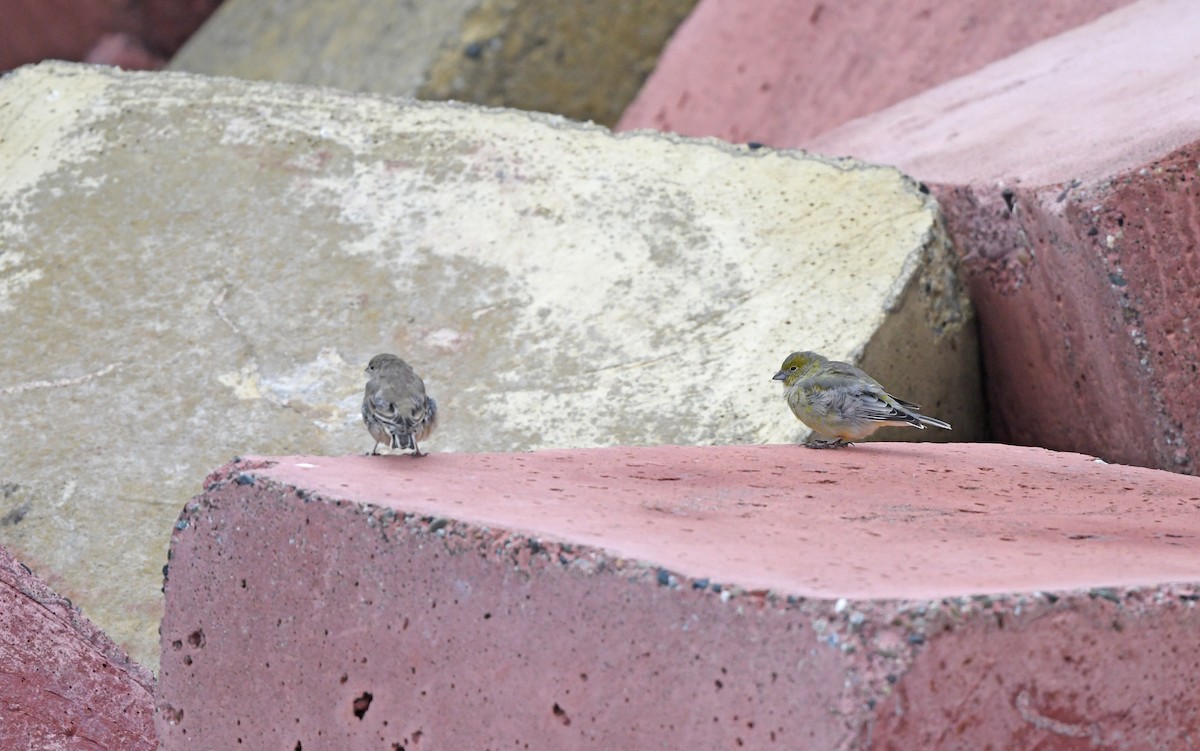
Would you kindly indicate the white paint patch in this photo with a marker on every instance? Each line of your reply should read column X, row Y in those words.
column 310, row 380
column 449, row 340
column 241, row 131
column 244, row 382
column 13, row 278
column 305, row 389
column 43, row 134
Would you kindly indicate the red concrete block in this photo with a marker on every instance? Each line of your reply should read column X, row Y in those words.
column 783, row 71
column 131, row 34
column 63, row 683
column 1068, row 176
column 1087, row 301
column 883, row 596
column 124, row 51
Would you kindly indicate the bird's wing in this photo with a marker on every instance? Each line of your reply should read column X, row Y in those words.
column 882, row 408
column 906, row 405
column 850, row 392
column 843, row 371
column 401, row 401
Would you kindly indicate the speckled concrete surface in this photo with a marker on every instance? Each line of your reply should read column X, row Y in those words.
column 195, row 266
column 63, row 684
column 883, row 596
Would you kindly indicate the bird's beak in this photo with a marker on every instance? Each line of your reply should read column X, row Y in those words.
column 781, row 375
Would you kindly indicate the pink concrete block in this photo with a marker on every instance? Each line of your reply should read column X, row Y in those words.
column 117, row 32
column 63, row 683
column 1087, row 302
column 783, row 71
column 124, row 51
column 1068, row 176
column 883, row 596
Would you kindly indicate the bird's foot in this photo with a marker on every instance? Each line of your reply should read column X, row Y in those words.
column 836, row 443
column 419, row 453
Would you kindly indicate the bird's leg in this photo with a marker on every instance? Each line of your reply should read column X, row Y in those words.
column 374, row 451
column 417, row 451
column 836, row 443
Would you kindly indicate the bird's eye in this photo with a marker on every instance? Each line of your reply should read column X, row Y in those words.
column 793, row 368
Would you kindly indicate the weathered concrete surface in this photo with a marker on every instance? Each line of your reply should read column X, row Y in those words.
column 1069, row 177
column 577, row 58
column 685, row 597
column 63, row 683
column 118, row 32
column 195, row 266
column 782, row 71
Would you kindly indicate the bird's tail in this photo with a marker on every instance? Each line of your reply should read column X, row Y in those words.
column 912, row 415
column 932, row 421
column 431, row 418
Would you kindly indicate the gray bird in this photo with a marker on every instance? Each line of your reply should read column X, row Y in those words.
column 395, row 408
column 841, row 403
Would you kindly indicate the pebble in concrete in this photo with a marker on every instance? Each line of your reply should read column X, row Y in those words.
column 885, row 596
column 194, row 264
column 63, row 683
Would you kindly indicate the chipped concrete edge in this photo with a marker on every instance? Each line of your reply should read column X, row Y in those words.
column 61, row 610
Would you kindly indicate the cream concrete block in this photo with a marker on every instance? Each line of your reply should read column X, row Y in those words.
column 194, row 267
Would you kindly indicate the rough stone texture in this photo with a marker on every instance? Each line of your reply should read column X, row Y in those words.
column 953, row 596
column 118, row 32
column 782, row 71
column 63, row 683
column 577, row 58
column 191, row 265
column 1070, row 176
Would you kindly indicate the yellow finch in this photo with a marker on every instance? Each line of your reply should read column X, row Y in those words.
column 841, row 403
column 395, row 407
